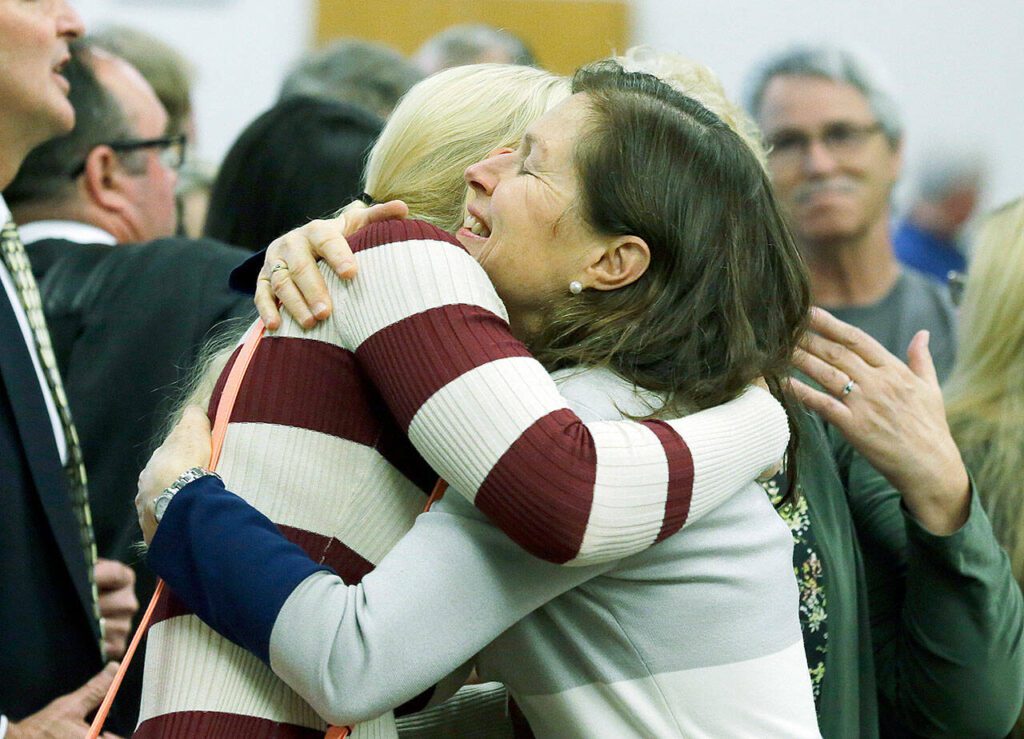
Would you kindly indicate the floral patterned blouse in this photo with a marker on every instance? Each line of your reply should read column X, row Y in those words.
column 809, row 575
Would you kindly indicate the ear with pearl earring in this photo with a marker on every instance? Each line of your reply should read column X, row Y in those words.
column 575, row 287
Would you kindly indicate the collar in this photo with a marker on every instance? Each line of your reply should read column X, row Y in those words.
column 74, row 231
column 5, row 213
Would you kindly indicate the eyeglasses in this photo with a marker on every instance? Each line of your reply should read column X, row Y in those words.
column 172, row 150
column 841, row 139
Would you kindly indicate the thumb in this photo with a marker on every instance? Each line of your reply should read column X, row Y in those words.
column 919, row 359
column 90, row 695
column 384, row 212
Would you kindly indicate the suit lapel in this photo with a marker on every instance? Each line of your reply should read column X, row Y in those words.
column 36, row 432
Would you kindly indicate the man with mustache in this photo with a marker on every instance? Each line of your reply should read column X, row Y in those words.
column 835, row 140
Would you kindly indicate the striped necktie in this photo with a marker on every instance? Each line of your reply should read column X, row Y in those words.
column 16, row 259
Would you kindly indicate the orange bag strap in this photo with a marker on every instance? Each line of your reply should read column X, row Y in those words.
column 220, row 426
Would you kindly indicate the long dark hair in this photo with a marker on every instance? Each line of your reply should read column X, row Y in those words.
column 726, row 296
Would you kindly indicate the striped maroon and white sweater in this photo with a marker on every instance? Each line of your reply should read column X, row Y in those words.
column 419, row 351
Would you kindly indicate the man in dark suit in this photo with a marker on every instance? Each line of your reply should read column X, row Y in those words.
column 129, row 305
column 53, row 593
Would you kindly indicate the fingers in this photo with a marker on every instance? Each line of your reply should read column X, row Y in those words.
column 89, row 696
column 115, row 636
column 290, row 297
column 113, row 575
column 384, row 212
column 830, row 408
column 852, row 338
column 829, row 377
column 266, row 304
column 328, row 241
column 117, row 603
column 828, row 362
column 919, row 358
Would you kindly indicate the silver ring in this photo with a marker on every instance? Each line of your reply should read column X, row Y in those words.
column 848, row 388
column 277, row 267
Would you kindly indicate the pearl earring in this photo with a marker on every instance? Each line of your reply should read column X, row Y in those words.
column 575, row 287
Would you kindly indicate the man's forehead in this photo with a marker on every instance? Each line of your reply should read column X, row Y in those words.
column 800, row 101
column 126, row 84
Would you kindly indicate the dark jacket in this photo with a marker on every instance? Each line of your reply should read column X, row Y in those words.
column 49, row 638
column 127, row 324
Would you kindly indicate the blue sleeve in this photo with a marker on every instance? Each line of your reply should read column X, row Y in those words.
column 228, row 562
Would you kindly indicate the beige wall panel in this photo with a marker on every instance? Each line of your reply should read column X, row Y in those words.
column 562, row 33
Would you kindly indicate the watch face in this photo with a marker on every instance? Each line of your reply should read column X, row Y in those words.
column 160, row 505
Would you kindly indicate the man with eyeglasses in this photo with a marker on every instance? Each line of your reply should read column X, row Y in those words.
column 917, row 633
column 835, row 154
column 129, row 305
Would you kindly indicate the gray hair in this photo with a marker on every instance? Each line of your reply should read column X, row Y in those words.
column 944, row 170
column 471, row 43
column 364, row 73
column 831, row 63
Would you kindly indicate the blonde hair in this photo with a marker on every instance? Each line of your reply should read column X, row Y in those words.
column 446, row 123
column 985, row 393
column 700, row 83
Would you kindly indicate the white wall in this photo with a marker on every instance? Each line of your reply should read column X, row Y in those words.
column 958, row 67
column 242, row 49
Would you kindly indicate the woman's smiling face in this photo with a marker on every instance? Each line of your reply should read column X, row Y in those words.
column 523, row 223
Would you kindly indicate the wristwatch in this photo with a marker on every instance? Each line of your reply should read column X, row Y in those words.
column 192, row 474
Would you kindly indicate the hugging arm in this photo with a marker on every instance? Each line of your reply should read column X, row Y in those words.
column 427, row 327
column 447, row 589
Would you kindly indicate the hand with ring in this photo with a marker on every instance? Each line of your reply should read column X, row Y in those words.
column 890, row 412
column 290, row 274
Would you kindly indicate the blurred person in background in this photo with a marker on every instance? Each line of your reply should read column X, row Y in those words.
column 985, row 393
column 834, row 139
column 947, row 187
column 364, row 73
column 300, row 160
column 472, row 43
column 171, row 76
column 98, row 207
column 63, row 610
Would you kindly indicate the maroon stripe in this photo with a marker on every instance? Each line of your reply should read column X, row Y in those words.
column 311, row 385
column 218, row 724
column 680, row 477
column 541, row 490
column 346, row 562
column 218, row 389
column 320, row 387
column 393, row 232
column 412, row 359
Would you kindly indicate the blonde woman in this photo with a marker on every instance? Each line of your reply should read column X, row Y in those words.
column 985, row 393
column 311, row 445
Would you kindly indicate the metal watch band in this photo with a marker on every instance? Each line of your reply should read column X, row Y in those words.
column 192, row 474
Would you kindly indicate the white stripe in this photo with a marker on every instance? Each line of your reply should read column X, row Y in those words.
column 763, row 697
column 399, row 280
column 630, row 491
column 462, row 443
column 191, row 668
column 320, row 483
column 724, row 461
